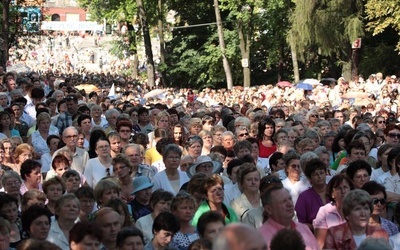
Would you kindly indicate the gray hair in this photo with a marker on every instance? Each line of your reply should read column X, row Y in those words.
column 56, row 92
column 171, row 148
column 10, row 174
column 306, row 157
column 110, row 112
column 374, row 243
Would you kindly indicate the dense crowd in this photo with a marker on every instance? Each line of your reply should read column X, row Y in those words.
column 249, row 168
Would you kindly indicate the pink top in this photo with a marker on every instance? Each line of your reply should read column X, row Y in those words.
column 271, row 227
column 328, row 217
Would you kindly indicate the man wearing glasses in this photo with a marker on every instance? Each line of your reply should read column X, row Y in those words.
column 65, row 119
column 80, row 156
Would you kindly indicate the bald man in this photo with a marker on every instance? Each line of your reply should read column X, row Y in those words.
column 239, row 236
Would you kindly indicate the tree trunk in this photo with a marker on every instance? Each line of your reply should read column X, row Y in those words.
column 295, row 62
column 244, row 45
column 161, row 31
column 5, row 34
column 147, row 44
column 225, row 62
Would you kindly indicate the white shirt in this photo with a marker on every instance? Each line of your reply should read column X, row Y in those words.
column 295, row 189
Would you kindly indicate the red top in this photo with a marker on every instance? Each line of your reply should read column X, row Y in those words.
column 265, row 152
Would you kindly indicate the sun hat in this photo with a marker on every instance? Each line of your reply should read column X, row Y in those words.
column 204, row 159
column 140, row 183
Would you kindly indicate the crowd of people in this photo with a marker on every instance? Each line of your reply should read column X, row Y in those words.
column 249, row 168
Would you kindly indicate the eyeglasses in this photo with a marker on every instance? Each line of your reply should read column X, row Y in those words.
column 245, row 134
column 393, row 135
column 376, row 200
column 380, row 122
column 71, row 136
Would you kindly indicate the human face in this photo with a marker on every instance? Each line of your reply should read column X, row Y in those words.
column 163, row 122
column 54, row 144
column 70, row 137
column 318, row 178
column 17, row 111
column 72, row 106
column 54, row 192
column 217, row 138
column 339, row 192
column 144, row 195
column 80, row 141
column 356, row 154
column 393, row 137
column 360, row 178
column 243, row 135
column 300, row 128
column 195, row 150
column 39, row 228
column 86, row 125
column 177, row 134
column 61, row 169
column 212, row 229
column 205, row 168
column 269, row 130
column 96, row 112
column 132, row 243
column 281, row 207
column 215, row 194
column 359, row 216
column 109, row 227
column 12, row 186
column 383, row 157
column 87, row 243
column 243, row 151
column 208, row 125
column 103, row 148
column 35, row 177
column 185, row 211
column 251, row 182
column 365, row 140
column 172, row 161
column 162, row 206
column 228, row 142
column 379, row 203
column 325, row 129
column 86, row 205
column 44, row 125
column 121, row 170
column 10, row 210
column 108, row 194
column 144, row 117
column 72, row 183
column 195, row 129
column 6, row 121
column 207, row 140
column 125, row 133
column 293, row 170
column 63, row 108
column 163, row 237
column 69, row 210
column 134, row 155
column 339, row 116
column 115, row 143
column 380, row 123
column 281, row 138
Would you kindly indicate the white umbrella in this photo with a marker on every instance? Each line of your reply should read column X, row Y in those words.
column 154, row 92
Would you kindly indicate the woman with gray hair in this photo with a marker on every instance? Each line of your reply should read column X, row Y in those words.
column 171, row 179
column 357, row 208
column 193, row 146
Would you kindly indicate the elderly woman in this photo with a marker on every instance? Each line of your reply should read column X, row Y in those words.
column 213, row 191
column 242, row 133
column 183, row 207
column 228, row 140
column 195, row 126
column 193, row 146
column 105, row 190
column 171, row 179
column 38, row 139
column 36, row 222
column 293, row 183
column 281, row 137
column 217, row 131
column 160, row 202
column 31, row 175
column 97, row 119
column 378, row 195
column 331, row 214
column 11, row 182
column 99, row 167
column 53, row 189
column 122, row 168
column 130, row 237
column 207, row 138
column 357, row 208
column 311, row 200
column 162, row 122
column 22, row 153
column 9, row 210
column 359, row 172
column 67, row 211
column 86, row 200
column 249, row 182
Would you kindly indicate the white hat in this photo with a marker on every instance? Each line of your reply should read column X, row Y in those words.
column 203, row 159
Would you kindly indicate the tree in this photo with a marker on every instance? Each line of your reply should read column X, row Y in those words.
column 383, row 15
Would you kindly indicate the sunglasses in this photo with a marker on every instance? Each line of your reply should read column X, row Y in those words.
column 245, row 134
column 273, row 180
column 71, row 97
column 376, row 200
column 380, row 122
column 393, row 135
column 313, row 115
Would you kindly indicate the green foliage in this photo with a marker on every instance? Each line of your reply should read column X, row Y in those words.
column 383, row 15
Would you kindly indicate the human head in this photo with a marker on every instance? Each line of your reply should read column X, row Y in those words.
column 130, row 238
column 11, row 182
column 106, row 189
column 36, row 222
column 359, row 172
column 165, row 226
column 28, row 168
column 160, row 201
column 60, row 203
column 354, row 198
column 23, row 152
column 84, row 235
column 109, row 225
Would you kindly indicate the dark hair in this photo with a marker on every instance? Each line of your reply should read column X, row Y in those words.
column 81, row 229
column 373, row 187
column 166, row 221
column 274, row 158
column 116, row 204
column 6, row 199
column 162, row 143
column 27, row 167
column 206, row 218
column 336, row 181
column 128, row 232
column 261, row 128
column 95, row 136
column 83, row 117
column 393, row 153
column 355, row 145
column 219, row 149
column 53, row 181
column 358, row 165
column 84, row 192
column 51, row 137
column 233, row 163
column 313, row 165
column 31, row 214
column 338, row 137
column 160, row 195
column 37, row 93
column 287, row 239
